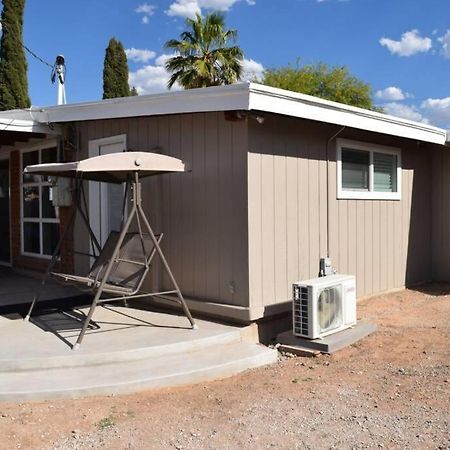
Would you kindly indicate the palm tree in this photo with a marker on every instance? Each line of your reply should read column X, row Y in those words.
column 203, row 57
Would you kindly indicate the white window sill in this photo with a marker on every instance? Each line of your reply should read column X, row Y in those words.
column 359, row 195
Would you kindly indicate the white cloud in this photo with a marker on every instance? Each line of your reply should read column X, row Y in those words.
column 438, row 111
column 251, row 70
column 404, row 111
column 189, row 8
column 152, row 79
column 146, row 9
column 162, row 59
column 410, row 43
column 445, row 41
column 140, row 55
column 184, row 8
column 392, row 93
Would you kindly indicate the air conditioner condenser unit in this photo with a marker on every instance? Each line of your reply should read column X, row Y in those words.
column 323, row 306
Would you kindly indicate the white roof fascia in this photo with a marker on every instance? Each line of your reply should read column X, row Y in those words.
column 241, row 96
column 28, row 126
column 279, row 101
column 26, row 121
column 218, row 98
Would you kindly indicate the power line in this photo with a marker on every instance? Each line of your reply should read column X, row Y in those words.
column 28, row 49
column 36, row 56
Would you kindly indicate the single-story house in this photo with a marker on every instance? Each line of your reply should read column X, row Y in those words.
column 277, row 181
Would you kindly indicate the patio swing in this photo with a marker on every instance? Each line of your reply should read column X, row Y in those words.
column 120, row 267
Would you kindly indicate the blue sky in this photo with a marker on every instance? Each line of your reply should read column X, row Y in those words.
column 401, row 47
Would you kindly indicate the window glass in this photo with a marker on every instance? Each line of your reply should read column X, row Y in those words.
column 50, row 237
column 355, row 169
column 31, row 237
column 29, row 159
column 48, row 155
column 48, row 210
column 40, row 221
column 31, row 201
column 384, row 172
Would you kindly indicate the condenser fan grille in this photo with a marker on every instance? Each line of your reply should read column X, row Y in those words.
column 301, row 310
column 329, row 309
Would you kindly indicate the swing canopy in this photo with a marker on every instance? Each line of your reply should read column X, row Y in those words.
column 112, row 167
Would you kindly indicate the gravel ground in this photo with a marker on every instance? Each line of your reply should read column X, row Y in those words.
column 391, row 390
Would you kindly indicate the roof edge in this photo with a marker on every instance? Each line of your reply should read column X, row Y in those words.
column 217, row 98
column 24, row 125
column 269, row 99
column 240, row 96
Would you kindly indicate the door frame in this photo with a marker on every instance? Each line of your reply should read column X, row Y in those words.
column 6, row 155
column 94, row 187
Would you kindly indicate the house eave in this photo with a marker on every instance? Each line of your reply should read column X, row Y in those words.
column 28, row 125
column 220, row 98
column 279, row 101
column 242, row 96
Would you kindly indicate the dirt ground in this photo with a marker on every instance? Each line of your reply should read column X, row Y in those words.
column 391, row 390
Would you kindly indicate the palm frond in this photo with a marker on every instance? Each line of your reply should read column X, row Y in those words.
column 203, row 55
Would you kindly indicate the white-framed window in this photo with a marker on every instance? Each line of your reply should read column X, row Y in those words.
column 368, row 171
column 39, row 218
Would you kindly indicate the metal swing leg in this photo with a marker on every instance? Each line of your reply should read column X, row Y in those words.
column 105, row 278
column 141, row 212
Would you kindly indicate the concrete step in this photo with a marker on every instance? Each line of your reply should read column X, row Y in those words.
column 198, row 340
column 167, row 370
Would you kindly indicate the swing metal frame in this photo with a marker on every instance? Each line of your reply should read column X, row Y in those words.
column 99, row 285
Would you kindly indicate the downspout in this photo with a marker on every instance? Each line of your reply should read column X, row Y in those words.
column 328, row 190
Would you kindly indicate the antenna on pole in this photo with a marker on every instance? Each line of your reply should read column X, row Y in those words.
column 59, row 75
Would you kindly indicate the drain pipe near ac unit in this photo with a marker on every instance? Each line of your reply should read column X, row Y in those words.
column 325, row 263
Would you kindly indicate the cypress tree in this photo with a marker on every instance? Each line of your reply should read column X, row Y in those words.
column 13, row 65
column 115, row 71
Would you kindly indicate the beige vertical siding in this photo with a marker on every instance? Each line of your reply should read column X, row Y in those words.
column 386, row 244
column 203, row 213
column 441, row 214
column 251, row 216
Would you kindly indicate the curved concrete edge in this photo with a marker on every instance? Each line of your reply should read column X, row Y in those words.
column 73, row 360
column 252, row 356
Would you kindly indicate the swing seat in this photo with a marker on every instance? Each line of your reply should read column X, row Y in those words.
column 129, row 268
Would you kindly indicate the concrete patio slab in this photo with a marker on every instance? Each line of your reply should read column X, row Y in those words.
column 116, row 333
column 124, row 350
column 19, row 287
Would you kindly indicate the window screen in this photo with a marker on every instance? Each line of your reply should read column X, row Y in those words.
column 355, row 169
column 384, row 172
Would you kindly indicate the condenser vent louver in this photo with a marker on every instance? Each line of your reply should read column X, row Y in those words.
column 323, row 306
